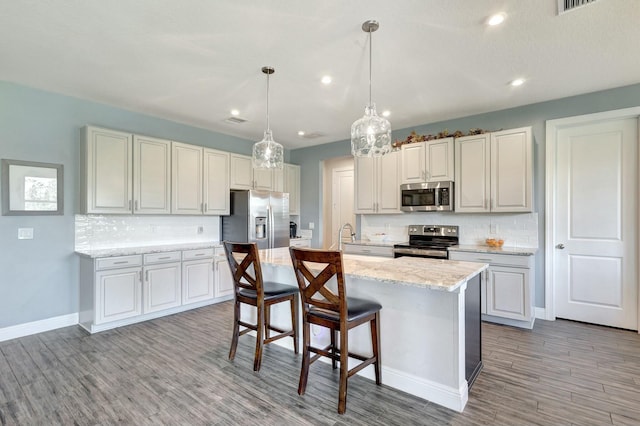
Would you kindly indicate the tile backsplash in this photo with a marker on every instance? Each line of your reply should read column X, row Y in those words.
column 106, row 231
column 517, row 230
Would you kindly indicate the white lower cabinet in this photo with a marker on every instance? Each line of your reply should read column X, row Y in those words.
column 122, row 290
column 197, row 275
column 162, row 281
column 118, row 294
column 507, row 287
column 224, row 280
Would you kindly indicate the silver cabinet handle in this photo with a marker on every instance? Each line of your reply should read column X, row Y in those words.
column 121, row 262
column 560, row 246
column 146, row 275
column 164, row 258
column 129, row 204
column 206, row 208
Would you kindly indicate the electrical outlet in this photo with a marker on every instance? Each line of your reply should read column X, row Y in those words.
column 25, row 233
column 493, row 228
column 312, row 225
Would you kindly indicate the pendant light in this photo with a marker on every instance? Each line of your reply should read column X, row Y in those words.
column 268, row 154
column 371, row 134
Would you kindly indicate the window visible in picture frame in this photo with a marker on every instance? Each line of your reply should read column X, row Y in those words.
column 31, row 188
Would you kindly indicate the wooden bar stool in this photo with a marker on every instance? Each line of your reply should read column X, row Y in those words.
column 252, row 290
column 338, row 313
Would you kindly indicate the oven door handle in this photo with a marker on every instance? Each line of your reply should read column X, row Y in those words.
column 441, row 254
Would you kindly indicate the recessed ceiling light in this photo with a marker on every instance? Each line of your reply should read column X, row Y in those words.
column 386, row 113
column 235, row 112
column 326, row 79
column 300, row 133
column 496, row 19
column 517, row 82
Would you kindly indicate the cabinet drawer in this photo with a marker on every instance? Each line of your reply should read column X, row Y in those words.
column 197, row 254
column 368, row 250
column 118, row 262
column 171, row 256
column 493, row 259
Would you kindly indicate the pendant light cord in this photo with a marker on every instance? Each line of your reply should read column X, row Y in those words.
column 370, row 48
column 268, row 128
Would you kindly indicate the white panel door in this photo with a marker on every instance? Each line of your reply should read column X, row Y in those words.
column 413, row 158
column 263, row 179
column 107, row 169
column 388, row 185
column 186, row 179
column 161, row 288
column 439, row 160
column 511, row 165
column 595, row 223
column 365, row 185
column 197, row 281
column 151, row 175
column 292, row 186
column 508, row 293
column 118, row 294
column 224, row 285
column 472, row 166
column 216, row 182
column 241, row 175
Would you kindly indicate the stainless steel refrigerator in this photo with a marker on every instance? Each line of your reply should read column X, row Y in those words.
column 258, row 216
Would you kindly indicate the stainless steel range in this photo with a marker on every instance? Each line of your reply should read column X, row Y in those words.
column 428, row 241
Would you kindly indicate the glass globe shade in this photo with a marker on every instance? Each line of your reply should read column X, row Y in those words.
column 268, row 154
column 371, row 134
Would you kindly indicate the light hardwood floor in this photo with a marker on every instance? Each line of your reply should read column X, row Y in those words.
column 174, row 370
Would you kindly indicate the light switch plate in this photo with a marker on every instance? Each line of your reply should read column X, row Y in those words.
column 312, row 225
column 25, row 233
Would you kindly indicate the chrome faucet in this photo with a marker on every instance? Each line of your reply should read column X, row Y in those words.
column 341, row 230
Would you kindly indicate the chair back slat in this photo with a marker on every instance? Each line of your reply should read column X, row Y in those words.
column 241, row 271
column 314, row 269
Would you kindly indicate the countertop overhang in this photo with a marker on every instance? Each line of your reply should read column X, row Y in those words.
column 433, row 274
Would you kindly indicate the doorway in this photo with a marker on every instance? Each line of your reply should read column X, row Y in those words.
column 592, row 218
column 338, row 196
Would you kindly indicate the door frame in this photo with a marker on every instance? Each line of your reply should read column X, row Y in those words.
column 552, row 128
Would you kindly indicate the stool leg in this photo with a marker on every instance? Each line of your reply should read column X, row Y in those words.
column 344, row 370
column 375, row 343
column 294, row 321
column 304, row 370
column 257, row 360
column 333, row 348
column 236, row 330
column 267, row 320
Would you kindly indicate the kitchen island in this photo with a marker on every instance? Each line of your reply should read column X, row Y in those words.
column 430, row 320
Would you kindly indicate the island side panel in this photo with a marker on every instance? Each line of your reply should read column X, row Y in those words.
column 422, row 336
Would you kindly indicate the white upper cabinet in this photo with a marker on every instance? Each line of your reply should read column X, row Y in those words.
column 241, row 175
column 512, row 170
column 106, row 171
column 216, row 182
column 429, row 161
column 244, row 176
column 186, row 179
column 263, row 179
column 377, row 186
column 151, row 175
column 291, row 184
column 494, row 172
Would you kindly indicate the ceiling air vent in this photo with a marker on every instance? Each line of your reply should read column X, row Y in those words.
column 567, row 5
column 235, row 120
column 313, row 135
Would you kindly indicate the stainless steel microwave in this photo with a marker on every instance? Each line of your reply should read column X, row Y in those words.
column 427, row 196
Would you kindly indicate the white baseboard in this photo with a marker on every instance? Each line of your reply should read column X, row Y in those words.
column 29, row 328
column 541, row 313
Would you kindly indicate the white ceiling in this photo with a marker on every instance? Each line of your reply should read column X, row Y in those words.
column 192, row 61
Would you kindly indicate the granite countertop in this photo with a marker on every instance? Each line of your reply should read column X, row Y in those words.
column 480, row 248
column 127, row 251
column 433, row 274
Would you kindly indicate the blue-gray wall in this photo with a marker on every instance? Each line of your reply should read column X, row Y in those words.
column 39, row 277
column 533, row 115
